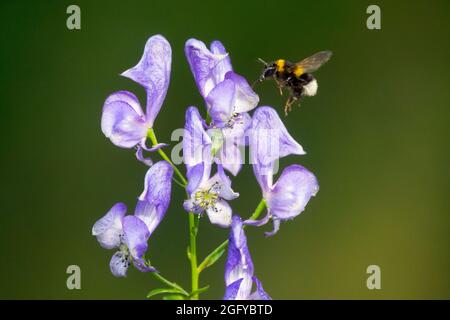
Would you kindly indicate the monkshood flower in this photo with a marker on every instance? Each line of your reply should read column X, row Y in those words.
column 123, row 120
column 228, row 97
column 195, row 139
column 130, row 233
column 239, row 268
column 207, row 194
column 210, row 194
column 269, row 141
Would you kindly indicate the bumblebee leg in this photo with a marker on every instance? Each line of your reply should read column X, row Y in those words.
column 280, row 87
column 288, row 105
column 298, row 100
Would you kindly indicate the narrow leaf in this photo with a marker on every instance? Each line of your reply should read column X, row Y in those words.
column 198, row 291
column 213, row 256
column 174, row 297
column 162, row 291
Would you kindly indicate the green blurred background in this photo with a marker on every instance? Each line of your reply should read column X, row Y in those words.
column 376, row 137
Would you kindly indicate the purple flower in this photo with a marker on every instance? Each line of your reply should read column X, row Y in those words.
column 123, row 120
column 130, row 233
column 210, row 194
column 206, row 193
column 239, row 268
column 228, row 98
column 269, row 141
column 195, row 139
column 155, row 199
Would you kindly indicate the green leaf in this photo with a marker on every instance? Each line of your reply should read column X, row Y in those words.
column 163, row 291
column 198, row 291
column 213, row 257
column 174, row 297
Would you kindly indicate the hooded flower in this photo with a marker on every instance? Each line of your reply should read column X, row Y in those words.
column 239, row 268
column 269, row 141
column 206, row 193
column 228, row 98
column 195, row 139
column 129, row 234
column 123, row 120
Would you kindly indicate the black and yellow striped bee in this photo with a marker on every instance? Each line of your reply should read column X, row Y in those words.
column 296, row 77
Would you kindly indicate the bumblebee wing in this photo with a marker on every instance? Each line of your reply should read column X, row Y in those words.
column 313, row 62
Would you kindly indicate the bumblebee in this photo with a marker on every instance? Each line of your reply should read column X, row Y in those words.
column 297, row 77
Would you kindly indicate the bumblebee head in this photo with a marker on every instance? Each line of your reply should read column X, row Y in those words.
column 269, row 70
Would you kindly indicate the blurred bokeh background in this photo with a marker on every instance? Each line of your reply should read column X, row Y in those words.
column 376, row 137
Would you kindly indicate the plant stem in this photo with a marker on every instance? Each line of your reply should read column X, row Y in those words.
column 160, row 278
column 193, row 254
column 192, row 226
column 221, row 248
column 151, row 135
column 259, row 209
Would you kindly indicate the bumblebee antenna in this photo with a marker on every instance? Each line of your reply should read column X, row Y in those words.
column 260, row 78
column 262, row 61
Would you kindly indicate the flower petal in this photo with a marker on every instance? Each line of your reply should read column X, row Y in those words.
column 109, row 228
column 220, row 214
column 246, row 99
column 263, row 174
column 222, row 184
column 119, row 264
column 153, row 73
column 204, row 65
column 154, row 200
column 122, row 120
column 238, row 128
column 224, row 65
column 269, row 141
column 221, row 102
column 239, row 264
column 291, row 193
column 140, row 156
column 226, row 192
column 154, row 147
column 190, row 206
column 195, row 176
column 231, row 157
column 142, row 266
column 259, row 294
column 232, row 290
column 269, row 138
column 276, row 228
column 195, row 138
column 143, row 147
column 136, row 236
column 258, row 223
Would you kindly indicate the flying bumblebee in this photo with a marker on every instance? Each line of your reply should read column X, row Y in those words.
column 296, row 77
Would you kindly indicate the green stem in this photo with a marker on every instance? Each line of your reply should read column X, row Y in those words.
column 178, row 182
column 151, row 135
column 212, row 257
column 193, row 255
column 259, row 209
column 192, row 226
column 171, row 284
